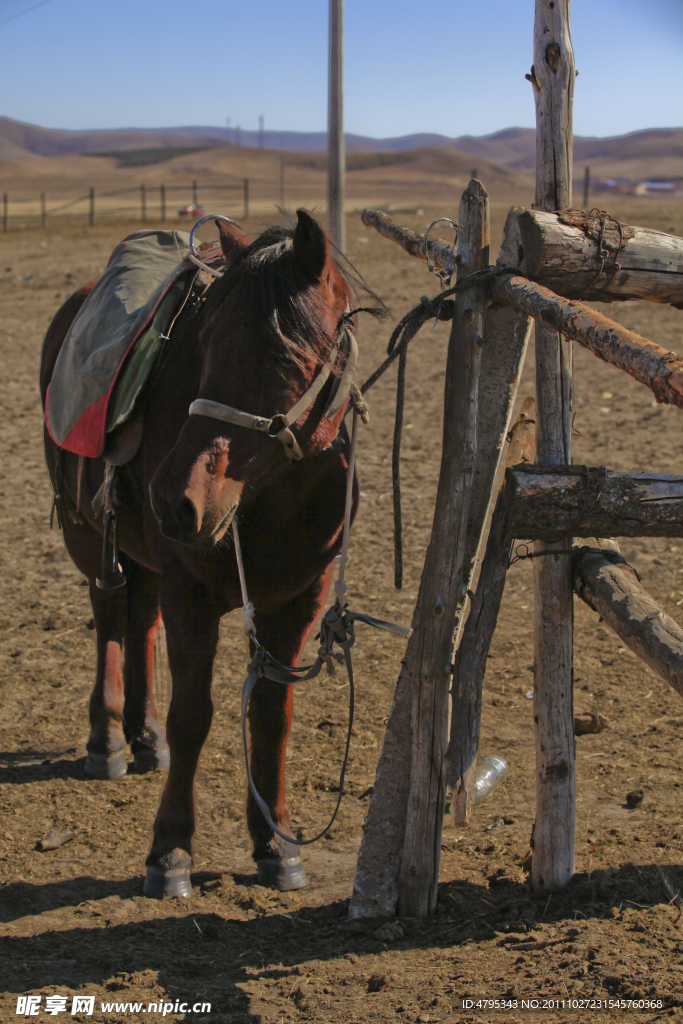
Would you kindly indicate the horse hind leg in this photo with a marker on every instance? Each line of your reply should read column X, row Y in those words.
column 141, row 728
column 270, row 717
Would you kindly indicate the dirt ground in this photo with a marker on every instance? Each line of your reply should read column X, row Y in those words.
column 74, row 920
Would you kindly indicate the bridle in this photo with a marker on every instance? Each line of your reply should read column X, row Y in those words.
column 279, row 426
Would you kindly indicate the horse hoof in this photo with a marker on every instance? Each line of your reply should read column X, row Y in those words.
column 150, row 760
column 283, row 873
column 163, row 882
column 106, row 766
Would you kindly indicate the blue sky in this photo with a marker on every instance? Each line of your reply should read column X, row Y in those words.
column 454, row 68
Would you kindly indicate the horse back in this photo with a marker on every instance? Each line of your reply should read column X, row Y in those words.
column 57, row 332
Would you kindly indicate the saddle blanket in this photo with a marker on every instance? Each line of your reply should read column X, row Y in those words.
column 114, row 340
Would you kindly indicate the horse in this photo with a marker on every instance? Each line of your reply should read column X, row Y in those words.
column 263, row 335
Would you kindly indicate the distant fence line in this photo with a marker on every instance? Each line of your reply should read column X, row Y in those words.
column 98, row 205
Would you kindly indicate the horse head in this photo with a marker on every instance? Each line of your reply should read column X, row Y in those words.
column 269, row 336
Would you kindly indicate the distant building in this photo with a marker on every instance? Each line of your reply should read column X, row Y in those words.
column 617, row 186
column 659, row 188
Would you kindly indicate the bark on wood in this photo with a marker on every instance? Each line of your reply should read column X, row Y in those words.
column 442, row 580
column 552, row 841
column 592, row 257
column 506, row 336
column 606, row 582
column 470, row 659
column 649, row 363
column 440, row 251
column 553, row 502
column 375, row 886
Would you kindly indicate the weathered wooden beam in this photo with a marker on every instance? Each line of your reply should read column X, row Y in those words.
column 552, row 841
column 441, row 588
column 608, row 584
column 470, row 658
column 649, row 363
column 593, row 257
column 440, row 251
column 556, row 502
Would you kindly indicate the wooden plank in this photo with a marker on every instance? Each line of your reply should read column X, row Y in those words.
column 649, row 363
column 552, row 840
column 470, row 659
column 608, row 584
column 336, row 151
column 414, row 244
column 553, row 502
column 442, row 582
column 593, row 257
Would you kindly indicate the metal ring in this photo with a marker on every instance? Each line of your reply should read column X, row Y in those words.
column 209, row 216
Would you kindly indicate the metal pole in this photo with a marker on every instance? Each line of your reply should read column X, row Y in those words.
column 92, row 207
column 246, row 198
column 194, row 192
column 162, row 195
column 336, row 150
column 43, row 211
column 283, row 182
column 586, row 187
column 143, row 202
column 5, row 219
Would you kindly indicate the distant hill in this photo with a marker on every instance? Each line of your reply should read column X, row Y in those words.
column 643, row 151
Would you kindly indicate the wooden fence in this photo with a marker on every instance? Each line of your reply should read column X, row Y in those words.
column 546, row 501
column 137, row 202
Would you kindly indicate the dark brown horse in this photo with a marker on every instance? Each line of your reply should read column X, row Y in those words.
column 264, row 333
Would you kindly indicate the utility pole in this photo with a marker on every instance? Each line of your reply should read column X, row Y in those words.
column 336, row 161
column 261, row 131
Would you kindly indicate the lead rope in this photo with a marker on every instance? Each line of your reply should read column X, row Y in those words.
column 332, row 628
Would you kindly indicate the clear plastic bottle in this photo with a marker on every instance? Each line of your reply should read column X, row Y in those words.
column 490, row 774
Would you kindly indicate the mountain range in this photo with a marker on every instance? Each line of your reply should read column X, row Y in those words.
column 512, row 147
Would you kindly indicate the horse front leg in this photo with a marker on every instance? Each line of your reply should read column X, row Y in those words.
column 283, row 634
column 191, row 622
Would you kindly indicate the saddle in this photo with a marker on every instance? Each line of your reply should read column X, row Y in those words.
column 116, row 339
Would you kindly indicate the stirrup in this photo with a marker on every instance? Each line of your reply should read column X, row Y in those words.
column 111, row 578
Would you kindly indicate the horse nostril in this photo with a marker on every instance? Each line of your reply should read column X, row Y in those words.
column 186, row 516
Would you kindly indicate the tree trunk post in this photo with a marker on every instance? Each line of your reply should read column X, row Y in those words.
column 586, row 187
column 194, row 193
column 336, row 157
column 162, row 200
column 552, row 840
column 43, row 211
column 442, row 587
column 5, row 217
column 246, row 198
column 143, row 203
column 470, row 658
column 91, row 216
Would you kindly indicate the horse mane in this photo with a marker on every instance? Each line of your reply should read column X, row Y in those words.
column 271, row 283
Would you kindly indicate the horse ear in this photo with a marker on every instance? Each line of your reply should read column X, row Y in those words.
column 232, row 237
column 309, row 245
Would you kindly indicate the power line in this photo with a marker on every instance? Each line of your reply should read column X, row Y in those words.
column 20, row 14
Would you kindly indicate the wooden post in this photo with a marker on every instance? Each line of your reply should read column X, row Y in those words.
column 336, row 159
column 586, row 187
column 246, row 198
column 608, row 584
column 143, row 202
column 43, row 211
column 283, row 182
column 5, row 217
column 442, row 587
column 162, row 200
column 91, row 218
column 472, row 652
column 552, row 840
